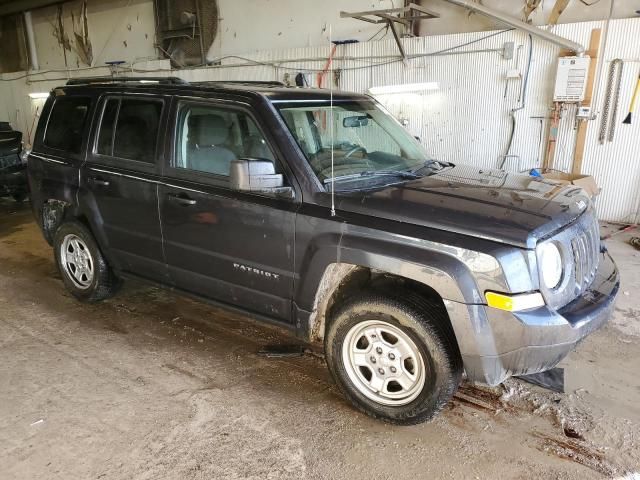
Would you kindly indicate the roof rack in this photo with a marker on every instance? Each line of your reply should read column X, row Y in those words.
column 160, row 80
column 262, row 83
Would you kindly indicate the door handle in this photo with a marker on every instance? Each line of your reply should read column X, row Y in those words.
column 98, row 181
column 181, row 198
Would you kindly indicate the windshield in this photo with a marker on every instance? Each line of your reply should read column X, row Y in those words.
column 366, row 140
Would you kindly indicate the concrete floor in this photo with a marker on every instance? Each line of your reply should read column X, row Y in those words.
column 150, row 385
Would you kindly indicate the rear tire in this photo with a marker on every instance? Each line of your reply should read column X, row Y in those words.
column 395, row 359
column 84, row 270
column 19, row 196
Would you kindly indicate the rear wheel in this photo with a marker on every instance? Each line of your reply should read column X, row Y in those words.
column 19, row 196
column 84, row 270
column 394, row 358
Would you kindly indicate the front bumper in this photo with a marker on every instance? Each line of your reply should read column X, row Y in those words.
column 496, row 344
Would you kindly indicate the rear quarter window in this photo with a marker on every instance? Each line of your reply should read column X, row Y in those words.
column 129, row 129
column 66, row 124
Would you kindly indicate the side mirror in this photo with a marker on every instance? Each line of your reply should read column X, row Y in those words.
column 254, row 175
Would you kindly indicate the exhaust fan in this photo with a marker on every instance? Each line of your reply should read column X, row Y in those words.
column 185, row 29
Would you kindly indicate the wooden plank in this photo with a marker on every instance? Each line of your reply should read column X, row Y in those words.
column 558, row 9
column 581, row 134
column 530, row 7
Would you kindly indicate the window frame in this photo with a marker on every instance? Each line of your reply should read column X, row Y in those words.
column 208, row 178
column 85, row 128
column 96, row 157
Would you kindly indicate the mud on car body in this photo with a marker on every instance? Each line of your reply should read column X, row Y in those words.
column 426, row 270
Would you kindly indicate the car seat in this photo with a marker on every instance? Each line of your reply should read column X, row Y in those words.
column 206, row 154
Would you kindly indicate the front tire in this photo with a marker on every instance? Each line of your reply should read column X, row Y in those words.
column 395, row 359
column 84, row 270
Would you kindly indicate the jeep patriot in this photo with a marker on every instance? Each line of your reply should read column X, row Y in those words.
column 325, row 217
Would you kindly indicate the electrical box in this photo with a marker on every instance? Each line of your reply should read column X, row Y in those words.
column 513, row 73
column 583, row 113
column 571, row 79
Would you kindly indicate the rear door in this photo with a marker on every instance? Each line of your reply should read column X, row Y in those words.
column 234, row 247
column 120, row 181
column 59, row 148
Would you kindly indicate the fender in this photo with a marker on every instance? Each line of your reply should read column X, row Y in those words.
column 53, row 184
column 332, row 258
column 91, row 212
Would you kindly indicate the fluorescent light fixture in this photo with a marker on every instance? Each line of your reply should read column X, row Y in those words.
column 408, row 87
column 39, row 95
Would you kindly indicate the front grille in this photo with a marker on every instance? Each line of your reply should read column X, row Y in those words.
column 580, row 247
column 586, row 249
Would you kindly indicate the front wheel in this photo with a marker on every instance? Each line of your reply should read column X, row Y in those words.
column 394, row 358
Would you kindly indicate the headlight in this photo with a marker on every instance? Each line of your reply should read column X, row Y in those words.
column 550, row 264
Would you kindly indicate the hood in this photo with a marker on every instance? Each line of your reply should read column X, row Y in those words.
column 491, row 204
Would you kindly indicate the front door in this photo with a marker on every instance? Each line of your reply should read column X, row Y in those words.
column 233, row 247
column 120, row 182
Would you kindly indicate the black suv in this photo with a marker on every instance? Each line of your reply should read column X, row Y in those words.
column 326, row 217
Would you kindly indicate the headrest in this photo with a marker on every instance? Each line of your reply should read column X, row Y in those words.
column 209, row 130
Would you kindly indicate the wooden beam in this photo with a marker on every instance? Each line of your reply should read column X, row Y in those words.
column 558, row 9
column 529, row 8
column 581, row 134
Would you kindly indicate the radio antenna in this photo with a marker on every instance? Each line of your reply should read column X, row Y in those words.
column 333, row 183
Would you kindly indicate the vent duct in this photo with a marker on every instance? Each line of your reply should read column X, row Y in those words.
column 185, row 29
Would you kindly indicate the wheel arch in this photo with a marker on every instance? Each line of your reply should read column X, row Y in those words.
column 55, row 212
column 442, row 280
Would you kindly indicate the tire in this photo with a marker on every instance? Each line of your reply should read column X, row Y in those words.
column 411, row 319
column 84, row 271
column 19, row 196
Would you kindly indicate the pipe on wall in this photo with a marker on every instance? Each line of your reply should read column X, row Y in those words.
column 31, row 41
column 514, row 22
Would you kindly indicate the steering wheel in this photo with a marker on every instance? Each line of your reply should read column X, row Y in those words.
column 354, row 150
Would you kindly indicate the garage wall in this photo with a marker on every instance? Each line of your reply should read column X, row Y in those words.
column 467, row 118
column 117, row 30
column 124, row 29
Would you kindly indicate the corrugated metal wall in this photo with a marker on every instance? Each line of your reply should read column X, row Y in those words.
column 467, row 119
column 616, row 165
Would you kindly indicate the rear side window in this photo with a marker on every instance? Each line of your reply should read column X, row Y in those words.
column 66, row 124
column 129, row 129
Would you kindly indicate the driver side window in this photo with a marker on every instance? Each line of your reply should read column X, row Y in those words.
column 210, row 138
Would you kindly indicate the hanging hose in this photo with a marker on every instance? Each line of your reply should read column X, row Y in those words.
column 525, row 84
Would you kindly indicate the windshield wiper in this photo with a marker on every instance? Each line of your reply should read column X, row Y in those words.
column 374, row 173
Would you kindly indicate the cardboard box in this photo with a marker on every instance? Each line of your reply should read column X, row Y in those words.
column 587, row 182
